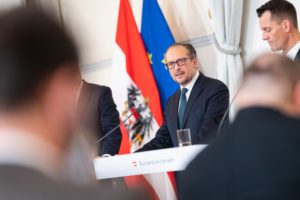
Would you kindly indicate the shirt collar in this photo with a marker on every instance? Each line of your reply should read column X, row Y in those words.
column 293, row 51
column 190, row 85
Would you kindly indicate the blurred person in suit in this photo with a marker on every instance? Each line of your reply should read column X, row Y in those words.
column 39, row 78
column 279, row 25
column 258, row 156
column 199, row 104
column 98, row 115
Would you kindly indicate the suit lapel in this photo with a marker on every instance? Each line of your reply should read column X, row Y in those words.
column 174, row 112
column 196, row 90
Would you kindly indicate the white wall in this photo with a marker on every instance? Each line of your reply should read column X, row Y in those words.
column 93, row 23
column 8, row 4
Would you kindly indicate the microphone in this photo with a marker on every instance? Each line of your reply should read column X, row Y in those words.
column 118, row 126
column 227, row 111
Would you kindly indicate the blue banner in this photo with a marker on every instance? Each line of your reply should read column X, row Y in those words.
column 157, row 38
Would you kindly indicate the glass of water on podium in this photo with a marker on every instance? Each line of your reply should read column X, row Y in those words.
column 184, row 137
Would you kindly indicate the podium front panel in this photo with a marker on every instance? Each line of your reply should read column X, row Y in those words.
column 157, row 161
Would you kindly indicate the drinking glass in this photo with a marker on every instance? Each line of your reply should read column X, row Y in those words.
column 184, row 137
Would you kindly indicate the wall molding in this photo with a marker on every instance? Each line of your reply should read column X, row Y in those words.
column 201, row 41
column 197, row 42
column 96, row 65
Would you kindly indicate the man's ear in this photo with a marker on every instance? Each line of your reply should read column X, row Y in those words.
column 195, row 61
column 296, row 98
column 286, row 25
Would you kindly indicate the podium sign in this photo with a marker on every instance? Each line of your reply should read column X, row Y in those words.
column 157, row 161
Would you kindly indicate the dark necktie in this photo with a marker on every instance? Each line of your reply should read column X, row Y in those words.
column 182, row 106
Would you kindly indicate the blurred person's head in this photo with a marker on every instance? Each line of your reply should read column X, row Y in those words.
column 181, row 60
column 278, row 22
column 271, row 81
column 39, row 75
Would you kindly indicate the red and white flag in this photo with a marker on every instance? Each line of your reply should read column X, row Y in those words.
column 135, row 91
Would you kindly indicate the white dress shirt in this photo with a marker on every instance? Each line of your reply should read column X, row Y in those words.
column 190, row 85
column 293, row 51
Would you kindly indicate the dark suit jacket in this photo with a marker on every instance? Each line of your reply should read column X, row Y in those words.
column 297, row 58
column 20, row 183
column 257, row 158
column 98, row 115
column 206, row 106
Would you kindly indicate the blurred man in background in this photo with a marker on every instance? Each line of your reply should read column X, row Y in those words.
column 98, row 115
column 278, row 22
column 39, row 77
column 258, row 156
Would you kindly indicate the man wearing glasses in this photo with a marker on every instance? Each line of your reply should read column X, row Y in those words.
column 198, row 105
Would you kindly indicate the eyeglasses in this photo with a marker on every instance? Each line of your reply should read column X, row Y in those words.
column 181, row 61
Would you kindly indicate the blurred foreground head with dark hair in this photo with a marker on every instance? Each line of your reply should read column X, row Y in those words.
column 258, row 156
column 39, row 78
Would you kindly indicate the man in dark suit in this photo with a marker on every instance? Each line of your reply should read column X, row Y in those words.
column 258, row 156
column 39, row 77
column 199, row 104
column 278, row 22
column 97, row 115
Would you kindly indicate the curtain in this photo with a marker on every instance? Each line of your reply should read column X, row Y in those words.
column 227, row 20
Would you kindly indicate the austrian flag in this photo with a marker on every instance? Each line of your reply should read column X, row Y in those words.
column 136, row 93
